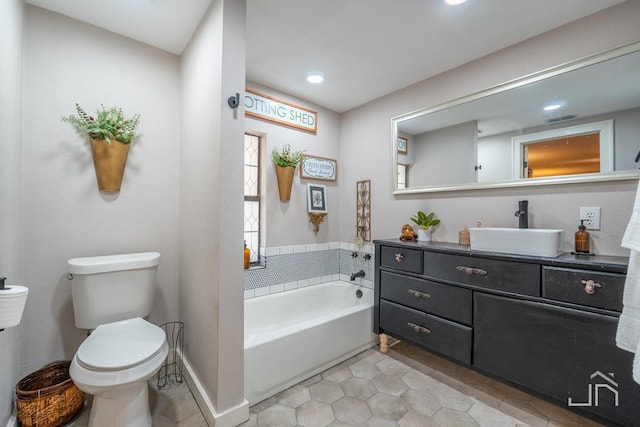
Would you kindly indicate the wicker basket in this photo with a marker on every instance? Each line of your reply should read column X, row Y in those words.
column 48, row 397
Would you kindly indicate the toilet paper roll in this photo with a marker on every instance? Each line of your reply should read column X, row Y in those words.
column 12, row 302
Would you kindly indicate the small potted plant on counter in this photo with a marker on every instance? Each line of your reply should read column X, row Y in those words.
column 425, row 225
column 110, row 135
column 285, row 162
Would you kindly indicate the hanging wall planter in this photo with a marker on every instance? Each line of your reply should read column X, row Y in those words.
column 109, row 161
column 110, row 135
column 285, row 181
column 285, row 162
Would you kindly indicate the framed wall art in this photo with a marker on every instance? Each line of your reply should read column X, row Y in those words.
column 316, row 198
column 314, row 167
column 402, row 145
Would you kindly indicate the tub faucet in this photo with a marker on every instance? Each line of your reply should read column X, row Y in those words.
column 523, row 214
column 354, row 276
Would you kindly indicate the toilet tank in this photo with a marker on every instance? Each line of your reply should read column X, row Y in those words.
column 113, row 287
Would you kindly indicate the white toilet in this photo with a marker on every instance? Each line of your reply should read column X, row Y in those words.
column 111, row 294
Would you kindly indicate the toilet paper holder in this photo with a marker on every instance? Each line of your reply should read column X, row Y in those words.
column 12, row 302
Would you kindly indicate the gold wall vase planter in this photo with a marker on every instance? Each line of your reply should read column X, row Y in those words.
column 110, row 134
column 109, row 161
column 285, row 181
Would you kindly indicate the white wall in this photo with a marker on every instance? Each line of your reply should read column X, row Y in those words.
column 64, row 214
column 365, row 135
column 456, row 142
column 11, row 45
column 211, row 204
column 287, row 223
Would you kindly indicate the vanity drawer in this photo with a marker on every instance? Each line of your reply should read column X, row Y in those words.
column 566, row 284
column 428, row 331
column 445, row 301
column 409, row 260
column 499, row 275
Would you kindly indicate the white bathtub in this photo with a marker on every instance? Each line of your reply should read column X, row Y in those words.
column 294, row 335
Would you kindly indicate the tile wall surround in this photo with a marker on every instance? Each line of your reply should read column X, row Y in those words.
column 284, row 268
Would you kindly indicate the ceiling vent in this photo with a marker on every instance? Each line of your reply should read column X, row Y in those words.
column 560, row 119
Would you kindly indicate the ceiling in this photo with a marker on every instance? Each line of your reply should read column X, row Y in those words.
column 364, row 48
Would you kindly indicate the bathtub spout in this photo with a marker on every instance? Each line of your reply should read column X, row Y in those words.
column 354, row 276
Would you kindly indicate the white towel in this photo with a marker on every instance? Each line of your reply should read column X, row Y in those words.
column 628, row 333
column 631, row 238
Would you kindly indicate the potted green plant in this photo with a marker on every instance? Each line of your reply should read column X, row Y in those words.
column 110, row 135
column 285, row 162
column 425, row 224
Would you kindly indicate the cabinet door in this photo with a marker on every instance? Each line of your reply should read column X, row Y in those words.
column 568, row 284
column 569, row 355
column 402, row 259
column 446, row 301
column 424, row 330
column 506, row 276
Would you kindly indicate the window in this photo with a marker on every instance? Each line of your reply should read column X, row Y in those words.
column 252, row 195
column 580, row 149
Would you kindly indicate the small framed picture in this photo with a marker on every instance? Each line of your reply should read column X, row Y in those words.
column 402, row 145
column 316, row 198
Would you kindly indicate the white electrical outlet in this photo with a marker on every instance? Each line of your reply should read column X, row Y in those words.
column 591, row 217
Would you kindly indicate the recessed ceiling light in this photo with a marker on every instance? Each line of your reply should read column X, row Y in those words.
column 454, row 2
column 552, row 107
column 315, row 78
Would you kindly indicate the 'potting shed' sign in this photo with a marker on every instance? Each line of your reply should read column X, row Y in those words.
column 269, row 108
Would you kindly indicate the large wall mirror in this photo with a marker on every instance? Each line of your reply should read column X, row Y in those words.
column 578, row 122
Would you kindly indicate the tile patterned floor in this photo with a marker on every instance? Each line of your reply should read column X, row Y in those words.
column 405, row 388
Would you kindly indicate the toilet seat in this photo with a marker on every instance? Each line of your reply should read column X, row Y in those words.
column 121, row 345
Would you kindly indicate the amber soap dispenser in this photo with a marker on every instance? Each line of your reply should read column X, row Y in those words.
column 247, row 256
column 582, row 239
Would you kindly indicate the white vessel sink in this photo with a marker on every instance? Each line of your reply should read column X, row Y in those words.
column 523, row 241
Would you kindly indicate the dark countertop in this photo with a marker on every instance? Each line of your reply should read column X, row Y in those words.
column 591, row 262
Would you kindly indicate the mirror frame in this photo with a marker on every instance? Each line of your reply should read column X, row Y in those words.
column 512, row 84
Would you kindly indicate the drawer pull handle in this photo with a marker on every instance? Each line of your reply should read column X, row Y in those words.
column 417, row 328
column 590, row 286
column 399, row 257
column 471, row 270
column 419, row 294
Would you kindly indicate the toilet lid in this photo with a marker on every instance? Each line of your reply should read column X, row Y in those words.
column 120, row 345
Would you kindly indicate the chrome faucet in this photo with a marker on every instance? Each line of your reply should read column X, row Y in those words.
column 354, row 276
column 523, row 214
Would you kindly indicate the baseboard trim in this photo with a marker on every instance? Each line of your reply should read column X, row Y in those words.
column 229, row 418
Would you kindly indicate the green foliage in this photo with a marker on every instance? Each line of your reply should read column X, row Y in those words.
column 425, row 221
column 109, row 124
column 286, row 157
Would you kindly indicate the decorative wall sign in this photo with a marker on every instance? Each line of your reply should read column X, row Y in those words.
column 274, row 110
column 402, row 145
column 316, row 198
column 313, row 167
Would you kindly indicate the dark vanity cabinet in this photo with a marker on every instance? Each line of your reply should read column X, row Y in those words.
column 547, row 325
